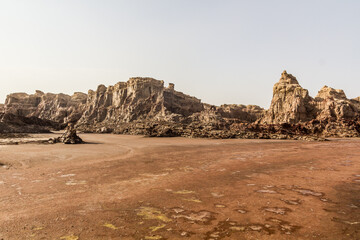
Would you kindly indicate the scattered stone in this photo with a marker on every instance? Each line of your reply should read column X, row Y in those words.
column 292, row 202
column 277, row 210
column 255, row 227
column 284, row 226
column 266, row 191
column 178, row 210
column 348, row 222
column 308, row 192
column 217, row 195
column 200, row 217
column 242, row 211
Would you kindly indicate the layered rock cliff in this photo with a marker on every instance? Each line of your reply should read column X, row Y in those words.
column 140, row 103
column 55, row 107
column 137, row 100
column 127, row 107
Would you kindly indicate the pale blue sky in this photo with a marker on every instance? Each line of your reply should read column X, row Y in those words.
column 221, row 51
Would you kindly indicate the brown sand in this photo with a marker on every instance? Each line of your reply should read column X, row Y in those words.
column 131, row 187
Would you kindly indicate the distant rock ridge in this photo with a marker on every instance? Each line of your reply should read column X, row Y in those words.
column 10, row 123
column 55, row 107
column 143, row 105
column 137, row 100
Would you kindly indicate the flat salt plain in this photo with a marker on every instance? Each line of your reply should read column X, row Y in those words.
column 133, row 187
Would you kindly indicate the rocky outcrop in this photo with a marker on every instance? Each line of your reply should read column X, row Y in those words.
column 290, row 103
column 128, row 107
column 55, row 107
column 10, row 123
column 69, row 137
column 245, row 113
column 137, row 100
column 333, row 104
column 142, row 104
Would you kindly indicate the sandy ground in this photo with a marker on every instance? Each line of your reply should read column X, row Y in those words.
column 131, row 187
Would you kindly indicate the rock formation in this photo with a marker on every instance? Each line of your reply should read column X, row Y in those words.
column 145, row 106
column 329, row 114
column 55, row 107
column 245, row 113
column 69, row 136
column 137, row 100
column 290, row 102
column 333, row 103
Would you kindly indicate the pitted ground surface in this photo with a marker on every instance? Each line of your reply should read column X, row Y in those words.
column 131, row 187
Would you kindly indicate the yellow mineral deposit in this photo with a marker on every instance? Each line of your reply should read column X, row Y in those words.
column 192, row 200
column 236, row 228
column 184, row 192
column 153, row 237
column 70, row 237
column 155, row 228
column 38, row 228
column 111, row 226
column 152, row 213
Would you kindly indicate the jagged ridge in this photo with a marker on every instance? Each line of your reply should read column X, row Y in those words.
column 145, row 106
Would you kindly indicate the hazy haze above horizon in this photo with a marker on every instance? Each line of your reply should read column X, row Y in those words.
column 229, row 51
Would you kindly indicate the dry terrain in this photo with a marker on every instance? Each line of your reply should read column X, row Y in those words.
column 132, row 187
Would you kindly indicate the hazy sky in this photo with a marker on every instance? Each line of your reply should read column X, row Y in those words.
column 221, row 51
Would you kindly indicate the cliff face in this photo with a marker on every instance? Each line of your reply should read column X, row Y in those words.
column 136, row 104
column 55, row 107
column 139, row 99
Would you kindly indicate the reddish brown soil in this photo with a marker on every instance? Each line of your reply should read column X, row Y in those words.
column 131, row 187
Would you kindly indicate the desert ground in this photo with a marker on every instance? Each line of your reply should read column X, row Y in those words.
column 133, row 187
